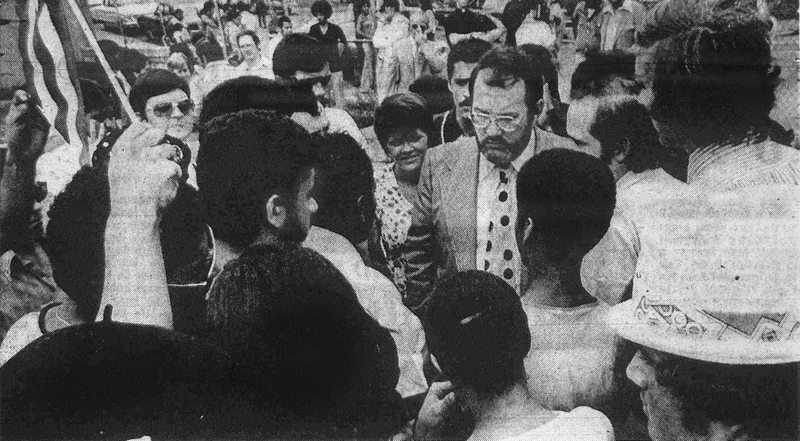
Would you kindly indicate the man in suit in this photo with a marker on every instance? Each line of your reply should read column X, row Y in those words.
column 462, row 219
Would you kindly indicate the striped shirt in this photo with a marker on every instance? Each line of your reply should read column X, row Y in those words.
column 746, row 165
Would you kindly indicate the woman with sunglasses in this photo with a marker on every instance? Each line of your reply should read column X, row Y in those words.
column 403, row 123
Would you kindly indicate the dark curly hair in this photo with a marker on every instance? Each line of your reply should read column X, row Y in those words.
column 712, row 67
column 605, row 73
column 344, row 186
column 258, row 93
column 622, row 122
column 763, row 399
column 321, row 7
column 299, row 52
column 152, row 83
column 401, row 111
column 244, row 158
column 478, row 331
column 506, row 66
column 466, row 51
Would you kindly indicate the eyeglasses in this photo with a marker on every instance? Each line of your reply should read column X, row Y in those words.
column 505, row 123
column 164, row 110
column 418, row 27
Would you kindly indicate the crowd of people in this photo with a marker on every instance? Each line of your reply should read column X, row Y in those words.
column 243, row 261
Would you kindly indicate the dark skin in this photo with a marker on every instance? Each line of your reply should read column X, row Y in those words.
column 27, row 135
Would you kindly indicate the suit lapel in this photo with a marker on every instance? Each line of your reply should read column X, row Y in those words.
column 460, row 201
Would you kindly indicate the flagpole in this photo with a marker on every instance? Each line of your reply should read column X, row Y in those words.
column 123, row 99
column 224, row 42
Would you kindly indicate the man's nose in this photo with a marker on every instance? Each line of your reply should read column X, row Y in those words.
column 176, row 111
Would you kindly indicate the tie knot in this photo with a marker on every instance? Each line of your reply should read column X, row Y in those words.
column 503, row 177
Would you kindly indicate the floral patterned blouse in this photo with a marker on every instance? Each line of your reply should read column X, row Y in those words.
column 394, row 213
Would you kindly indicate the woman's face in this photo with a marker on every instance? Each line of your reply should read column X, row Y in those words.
column 407, row 148
column 182, row 70
column 172, row 112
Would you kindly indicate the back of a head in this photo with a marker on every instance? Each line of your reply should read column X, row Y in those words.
column 344, row 186
column 711, row 65
column 402, row 111
column 116, row 381
column 466, row 51
column 506, row 66
column 298, row 52
column 322, row 7
column 478, row 331
column 569, row 196
column 605, row 73
column 435, row 91
column 252, row 92
column 152, row 83
column 307, row 350
column 623, row 124
column 244, row 158
column 209, row 50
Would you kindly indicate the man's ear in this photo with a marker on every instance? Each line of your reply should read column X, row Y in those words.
column 622, row 153
column 276, row 212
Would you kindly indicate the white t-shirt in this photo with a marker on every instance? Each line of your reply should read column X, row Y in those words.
column 583, row 424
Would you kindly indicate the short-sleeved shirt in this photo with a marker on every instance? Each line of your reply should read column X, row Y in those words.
column 466, row 21
column 331, row 38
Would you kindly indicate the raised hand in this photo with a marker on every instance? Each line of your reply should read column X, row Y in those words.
column 27, row 130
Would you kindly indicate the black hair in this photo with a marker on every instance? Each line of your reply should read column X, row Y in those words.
column 478, row 331
column 713, row 68
column 569, row 197
column 209, row 50
column 466, row 51
column 98, row 103
column 506, row 66
column 130, row 62
column 304, row 343
column 605, row 73
column 298, row 52
column 246, row 157
column 762, row 399
column 435, row 91
column 283, row 19
column 402, row 111
column 621, row 123
column 345, row 187
column 322, row 7
column 391, row 3
column 250, row 33
column 152, row 83
column 183, row 48
column 110, row 50
column 252, row 92
column 541, row 57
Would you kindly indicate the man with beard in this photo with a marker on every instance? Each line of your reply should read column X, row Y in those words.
column 620, row 21
column 462, row 218
column 461, row 60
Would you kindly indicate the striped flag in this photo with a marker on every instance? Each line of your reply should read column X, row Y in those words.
column 49, row 53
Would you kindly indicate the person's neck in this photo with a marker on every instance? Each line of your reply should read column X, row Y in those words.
column 406, row 177
column 507, row 415
column 225, row 252
column 557, row 288
column 255, row 61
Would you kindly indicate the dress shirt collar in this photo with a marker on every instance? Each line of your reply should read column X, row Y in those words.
column 263, row 62
column 627, row 5
column 486, row 166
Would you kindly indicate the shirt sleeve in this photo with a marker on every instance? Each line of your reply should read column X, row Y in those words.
column 340, row 35
column 608, row 269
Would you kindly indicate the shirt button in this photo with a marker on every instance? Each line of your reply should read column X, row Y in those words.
column 507, row 254
column 508, row 274
column 504, row 221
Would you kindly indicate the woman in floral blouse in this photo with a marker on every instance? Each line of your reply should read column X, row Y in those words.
column 402, row 125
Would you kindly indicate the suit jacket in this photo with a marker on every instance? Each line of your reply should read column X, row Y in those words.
column 443, row 238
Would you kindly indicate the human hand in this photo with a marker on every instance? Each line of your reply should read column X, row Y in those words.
column 437, row 405
column 27, row 130
column 143, row 173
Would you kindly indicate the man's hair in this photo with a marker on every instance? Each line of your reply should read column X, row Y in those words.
column 178, row 59
column 305, row 346
column 508, row 65
column 344, row 187
column 391, row 3
column 130, row 62
column 540, row 56
column 763, row 399
column 184, row 49
column 466, row 51
column 244, row 159
column 621, row 123
column 605, row 73
column 322, row 7
column 252, row 92
column 298, row 52
column 152, row 83
column 783, row 9
column 434, row 90
column 405, row 110
column 283, row 19
column 569, row 196
column 712, row 66
column 210, row 50
column 478, row 331
column 251, row 34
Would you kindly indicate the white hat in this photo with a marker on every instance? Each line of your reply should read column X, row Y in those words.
column 718, row 279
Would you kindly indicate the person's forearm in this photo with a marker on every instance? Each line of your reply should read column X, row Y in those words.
column 455, row 38
column 16, row 202
column 135, row 280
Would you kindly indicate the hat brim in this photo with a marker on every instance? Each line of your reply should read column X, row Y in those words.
column 621, row 318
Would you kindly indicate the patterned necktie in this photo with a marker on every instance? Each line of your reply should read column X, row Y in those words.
column 501, row 241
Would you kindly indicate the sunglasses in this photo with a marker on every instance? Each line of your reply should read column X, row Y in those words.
column 165, row 109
